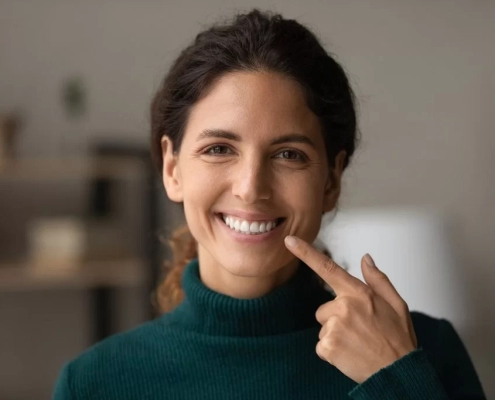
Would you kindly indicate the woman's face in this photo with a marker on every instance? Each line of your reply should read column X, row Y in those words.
column 252, row 169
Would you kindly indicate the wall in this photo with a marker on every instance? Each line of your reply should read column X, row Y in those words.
column 423, row 72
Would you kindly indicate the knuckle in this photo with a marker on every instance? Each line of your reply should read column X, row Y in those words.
column 344, row 308
column 331, row 324
column 304, row 251
column 328, row 265
column 319, row 315
column 328, row 329
column 331, row 327
column 323, row 331
column 319, row 351
column 327, row 343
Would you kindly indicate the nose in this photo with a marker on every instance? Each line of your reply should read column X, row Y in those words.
column 251, row 181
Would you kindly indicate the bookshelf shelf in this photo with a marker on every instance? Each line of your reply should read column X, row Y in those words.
column 32, row 169
column 115, row 273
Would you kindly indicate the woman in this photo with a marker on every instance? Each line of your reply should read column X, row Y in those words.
column 252, row 129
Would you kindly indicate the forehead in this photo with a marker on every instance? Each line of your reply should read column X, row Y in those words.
column 261, row 104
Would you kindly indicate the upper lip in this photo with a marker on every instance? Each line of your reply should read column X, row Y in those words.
column 250, row 216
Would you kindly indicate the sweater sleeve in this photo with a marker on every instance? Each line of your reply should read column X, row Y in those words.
column 62, row 390
column 413, row 377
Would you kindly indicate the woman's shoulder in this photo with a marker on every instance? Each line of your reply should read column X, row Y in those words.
column 439, row 338
column 448, row 354
column 122, row 355
column 132, row 343
column 428, row 328
column 424, row 321
column 427, row 325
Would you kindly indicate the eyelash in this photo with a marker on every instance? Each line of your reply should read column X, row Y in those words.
column 302, row 156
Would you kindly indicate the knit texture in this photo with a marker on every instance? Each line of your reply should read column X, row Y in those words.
column 214, row 346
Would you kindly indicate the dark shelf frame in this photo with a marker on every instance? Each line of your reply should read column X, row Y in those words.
column 101, row 297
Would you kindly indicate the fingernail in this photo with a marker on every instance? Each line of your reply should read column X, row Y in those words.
column 290, row 241
column 369, row 261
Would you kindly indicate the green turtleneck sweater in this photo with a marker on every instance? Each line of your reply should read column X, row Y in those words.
column 214, row 346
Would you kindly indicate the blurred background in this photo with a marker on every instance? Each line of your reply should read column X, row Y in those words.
column 81, row 209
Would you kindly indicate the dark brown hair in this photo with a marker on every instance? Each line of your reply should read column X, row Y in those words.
column 254, row 41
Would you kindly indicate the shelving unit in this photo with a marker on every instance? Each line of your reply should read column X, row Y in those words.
column 33, row 169
column 106, row 163
column 16, row 277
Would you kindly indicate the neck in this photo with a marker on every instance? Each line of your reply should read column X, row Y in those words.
column 288, row 308
column 243, row 282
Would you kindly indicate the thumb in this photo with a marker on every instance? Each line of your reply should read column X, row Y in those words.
column 380, row 283
column 382, row 286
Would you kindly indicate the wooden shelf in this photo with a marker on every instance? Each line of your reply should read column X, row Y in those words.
column 115, row 273
column 116, row 167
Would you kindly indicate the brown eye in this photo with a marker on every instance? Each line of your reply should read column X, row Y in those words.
column 291, row 155
column 217, row 150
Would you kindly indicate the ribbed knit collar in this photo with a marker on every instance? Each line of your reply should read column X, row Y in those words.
column 289, row 307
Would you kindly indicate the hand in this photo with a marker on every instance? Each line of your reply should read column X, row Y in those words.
column 367, row 326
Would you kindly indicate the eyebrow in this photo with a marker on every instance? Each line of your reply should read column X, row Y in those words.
column 288, row 138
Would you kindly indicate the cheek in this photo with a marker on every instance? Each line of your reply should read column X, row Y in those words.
column 305, row 193
column 200, row 182
column 201, row 188
column 305, row 198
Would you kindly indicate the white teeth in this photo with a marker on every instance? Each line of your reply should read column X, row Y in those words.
column 253, row 228
column 245, row 227
column 248, row 228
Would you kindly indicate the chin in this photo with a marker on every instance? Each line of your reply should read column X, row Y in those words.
column 253, row 265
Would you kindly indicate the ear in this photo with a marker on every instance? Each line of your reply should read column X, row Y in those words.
column 333, row 184
column 171, row 173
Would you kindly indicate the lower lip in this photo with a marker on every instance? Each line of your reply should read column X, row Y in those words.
column 243, row 238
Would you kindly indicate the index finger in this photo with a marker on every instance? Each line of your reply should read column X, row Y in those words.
column 333, row 274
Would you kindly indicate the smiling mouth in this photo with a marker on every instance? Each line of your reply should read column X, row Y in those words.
column 250, row 227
